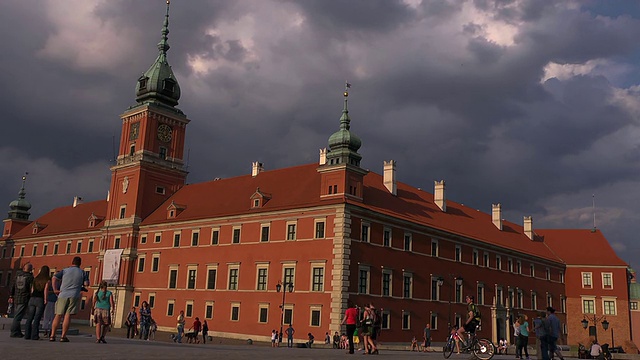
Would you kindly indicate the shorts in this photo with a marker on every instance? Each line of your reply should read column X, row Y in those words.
column 471, row 326
column 67, row 306
column 102, row 317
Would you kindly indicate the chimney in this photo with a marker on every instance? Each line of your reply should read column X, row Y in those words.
column 256, row 168
column 323, row 156
column 77, row 200
column 496, row 215
column 390, row 176
column 528, row 227
column 438, row 195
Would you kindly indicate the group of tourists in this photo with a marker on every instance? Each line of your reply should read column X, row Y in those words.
column 365, row 322
column 547, row 329
column 56, row 298
column 144, row 326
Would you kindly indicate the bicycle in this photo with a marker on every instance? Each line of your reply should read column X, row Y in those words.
column 482, row 349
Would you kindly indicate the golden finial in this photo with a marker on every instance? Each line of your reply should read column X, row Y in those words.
column 168, row 2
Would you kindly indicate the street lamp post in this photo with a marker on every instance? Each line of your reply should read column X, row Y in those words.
column 279, row 286
column 594, row 319
column 457, row 281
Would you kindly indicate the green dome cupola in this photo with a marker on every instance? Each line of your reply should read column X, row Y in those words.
column 20, row 207
column 343, row 144
column 158, row 84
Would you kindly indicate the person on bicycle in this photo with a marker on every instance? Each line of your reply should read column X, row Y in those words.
column 473, row 319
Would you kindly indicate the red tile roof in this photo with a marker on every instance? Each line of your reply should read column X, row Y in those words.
column 299, row 186
column 581, row 247
column 67, row 219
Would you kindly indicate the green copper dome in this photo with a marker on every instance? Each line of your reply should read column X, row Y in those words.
column 20, row 207
column 158, row 84
column 343, row 144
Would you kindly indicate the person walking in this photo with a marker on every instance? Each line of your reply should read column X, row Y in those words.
column 180, row 327
column 145, row 320
column 72, row 280
column 290, row 331
column 368, row 317
column 541, row 328
column 49, row 307
column 523, row 338
column 103, row 307
column 197, row 326
column 350, row 319
column 36, row 304
column 21, row 292
column 205, row 331
column 131, row 323
column 554, row 330
column 427, row 338
column 516, row 338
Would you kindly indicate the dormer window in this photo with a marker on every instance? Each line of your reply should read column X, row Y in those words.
column 259, row 199
column 37, row 227
column 173, row 210
column 92, row 223
column 142, row 83
column 168, row 85
column 93, row 220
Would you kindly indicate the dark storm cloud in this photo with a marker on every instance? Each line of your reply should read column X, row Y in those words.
column 437, row 86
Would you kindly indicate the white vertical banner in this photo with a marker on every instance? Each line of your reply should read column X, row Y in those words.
column 111, row 266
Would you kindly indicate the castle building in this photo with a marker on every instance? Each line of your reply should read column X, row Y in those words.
column 293, row 245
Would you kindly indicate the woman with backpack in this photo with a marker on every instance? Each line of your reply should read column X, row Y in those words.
column 36, row 304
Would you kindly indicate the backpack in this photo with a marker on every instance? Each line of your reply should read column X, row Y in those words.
column 21, row 284
column 377, row 318
column 476, row 313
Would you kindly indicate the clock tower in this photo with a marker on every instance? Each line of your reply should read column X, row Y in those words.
column 150, row 164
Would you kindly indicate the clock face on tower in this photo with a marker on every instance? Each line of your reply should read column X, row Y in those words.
column 164, row 133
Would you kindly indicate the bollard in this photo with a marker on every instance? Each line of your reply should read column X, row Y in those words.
column 249, row 342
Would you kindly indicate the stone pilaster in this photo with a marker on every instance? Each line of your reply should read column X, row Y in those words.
column 340, row 270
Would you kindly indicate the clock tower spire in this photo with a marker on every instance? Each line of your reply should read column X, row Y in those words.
column 150, row 163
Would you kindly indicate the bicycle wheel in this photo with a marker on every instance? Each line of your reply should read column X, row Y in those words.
column 447, row 349
column 483, row 349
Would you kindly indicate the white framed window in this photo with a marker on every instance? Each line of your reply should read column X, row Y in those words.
column 387, row 286
column 458, row 253
column 291, row 230
column 499, row 297
column 173, row 277
column 386, row 237
column 188, row 309
column 235, row 311
column 365, row 232
column 408, row 242
column 480, row 294
column 136, row 299
column 236, row 235
column 435, row 288
column 563, row 304
column 317, row 275
column 35, row 250
column 498, row 262
column 123, row 211
column 288, row 314
column 476, row 257
column 176, row 239
column 534, row 300
column 195, row 237
column 407, row 285
column 549, row 300
column 319, row 225
column 607, row 280
column 532, row 270
column 262, row 276
column 363, row 279
column 215, row 236
column 264, row 232
column 263, row 313
column 518, row 267
column 433, row 321
column 587, row 280
column 155, row 262
column 171, row 307
column 192, row 274
column 435, row 251
column 406, row 320
column 116, row 242
column 520, row 299
column 208, row 310
column 141, row 259
column 152, row 300
column 316, row 313
column 385, row 321
column 234, row 275
column 89, row 247
column 609, row 306
column 157, row 237
column 56, row 247
column 510, row 265
column 212, row 274
column 548, row 274
column 485, row 257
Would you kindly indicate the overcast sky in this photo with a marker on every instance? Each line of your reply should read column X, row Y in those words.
column 533, row 104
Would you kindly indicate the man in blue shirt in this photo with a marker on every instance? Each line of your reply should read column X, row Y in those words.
column 554, row 329
column 67, row 284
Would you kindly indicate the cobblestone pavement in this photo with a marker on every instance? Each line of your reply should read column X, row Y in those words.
column 83, row 346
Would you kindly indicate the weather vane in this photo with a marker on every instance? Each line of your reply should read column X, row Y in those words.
column 347, row 86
